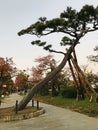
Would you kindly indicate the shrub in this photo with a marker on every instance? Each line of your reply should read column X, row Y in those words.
column 55, row 93
column 96, row 89
column 69, row 92
column 44, row 91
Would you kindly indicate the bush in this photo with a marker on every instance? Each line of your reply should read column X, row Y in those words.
column 44, row 91
column 69, row 92
column 55, row 93
column 96, row 89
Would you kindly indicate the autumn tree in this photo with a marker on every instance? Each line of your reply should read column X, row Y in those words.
column 38, row 72
column 74, row 24
column 7, row 71
column 46, row 65
column 21, row 81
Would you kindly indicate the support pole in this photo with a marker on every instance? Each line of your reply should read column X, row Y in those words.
column 74, row 78
column 79, row 78
column 84, row 80
column 80, row 94
column 16, row 107
column 32, row 102
column 37, row 104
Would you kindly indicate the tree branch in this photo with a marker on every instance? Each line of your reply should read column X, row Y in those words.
column 60, row 52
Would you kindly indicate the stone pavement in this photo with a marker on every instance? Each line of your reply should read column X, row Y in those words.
column 55, row 118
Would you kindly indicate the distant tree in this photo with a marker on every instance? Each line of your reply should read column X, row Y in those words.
column 94, row 58
column 7, row 70
column 46, row 64
column 74, row 24
column 38, row 72
column 21, row 81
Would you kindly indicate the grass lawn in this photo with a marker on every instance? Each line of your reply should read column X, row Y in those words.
column 82, row 106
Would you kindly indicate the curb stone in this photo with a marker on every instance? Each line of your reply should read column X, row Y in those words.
column 22, row 116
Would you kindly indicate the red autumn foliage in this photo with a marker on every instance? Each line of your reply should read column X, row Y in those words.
column 38, row 71
column 21, row 80
column 7, row 70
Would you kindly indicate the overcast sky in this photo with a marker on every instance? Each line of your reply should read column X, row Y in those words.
column 16, row 15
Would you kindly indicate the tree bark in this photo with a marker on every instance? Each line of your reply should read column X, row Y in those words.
column 23, row 103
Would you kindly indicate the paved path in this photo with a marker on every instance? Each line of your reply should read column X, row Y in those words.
column 55, row 118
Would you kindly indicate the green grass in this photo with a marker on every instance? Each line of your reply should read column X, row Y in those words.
column 82, row 106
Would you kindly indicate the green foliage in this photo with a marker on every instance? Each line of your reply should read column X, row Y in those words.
column 47, row 47
column 71, row 17
column 54, row 92
column 66, row 41
column 44, row 91
column 96, row 89
column 74, row 24
column 40, row 27
column 69, row 13
column 56, row 23
column 42, row 44
column 87, row 13
column 69, row 92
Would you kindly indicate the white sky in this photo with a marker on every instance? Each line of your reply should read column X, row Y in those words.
column 16, row 15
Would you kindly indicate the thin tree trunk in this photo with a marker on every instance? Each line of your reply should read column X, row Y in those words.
column 22, row 104
column 74, row 78
column 80, row 77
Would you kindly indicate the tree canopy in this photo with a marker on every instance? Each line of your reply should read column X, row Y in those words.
column 71, row 22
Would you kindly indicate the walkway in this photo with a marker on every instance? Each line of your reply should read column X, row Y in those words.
column 55, row 118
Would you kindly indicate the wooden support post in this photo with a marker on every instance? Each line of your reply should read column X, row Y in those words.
column 74, row 54
column 37, row 104
column 80, row 94
column 32, row 102
column 79, row 79
column 84, row 80
column 74, row 78
column 80, row 76
column 16, row 107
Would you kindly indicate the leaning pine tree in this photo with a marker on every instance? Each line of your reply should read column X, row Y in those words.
column 74, row 24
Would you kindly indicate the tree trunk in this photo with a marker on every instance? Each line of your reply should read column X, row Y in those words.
column 22, row 104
